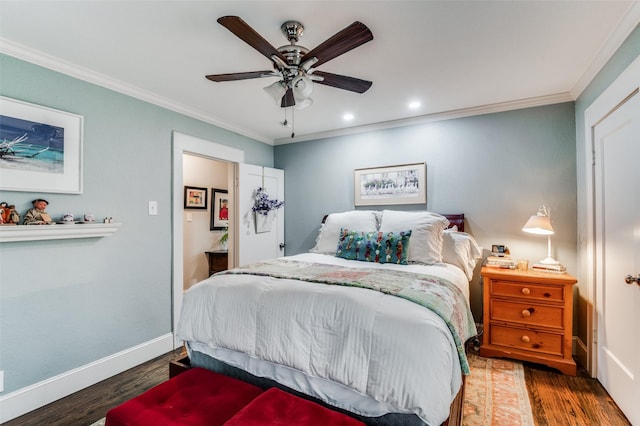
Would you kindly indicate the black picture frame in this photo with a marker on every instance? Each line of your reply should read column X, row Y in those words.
column 195, row 198
column 220, row 209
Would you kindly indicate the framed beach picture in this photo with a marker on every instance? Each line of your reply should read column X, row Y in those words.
column 219, row 209
column 402, row 184
column 195, row 198
column 40, row 148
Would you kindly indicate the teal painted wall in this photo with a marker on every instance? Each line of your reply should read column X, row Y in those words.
column 67, row 303
column 496, row 168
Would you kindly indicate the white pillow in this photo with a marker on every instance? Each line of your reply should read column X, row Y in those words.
column 357, row 220
column 460, row 249
column 426, row 233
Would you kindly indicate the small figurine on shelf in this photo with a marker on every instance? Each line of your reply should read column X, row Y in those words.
column 3, row 206
column 12, row 215
column 8, row 214
column 37, row 215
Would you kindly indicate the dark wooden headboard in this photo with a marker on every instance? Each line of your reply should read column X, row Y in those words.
column 454, row 219
column 457, row 220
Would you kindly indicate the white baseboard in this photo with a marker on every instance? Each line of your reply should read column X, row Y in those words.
column 39, row 394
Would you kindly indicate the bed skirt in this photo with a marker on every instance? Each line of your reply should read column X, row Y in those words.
column 199, row 359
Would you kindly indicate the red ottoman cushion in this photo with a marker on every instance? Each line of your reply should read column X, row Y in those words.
column 195, row 397
column 276, row 407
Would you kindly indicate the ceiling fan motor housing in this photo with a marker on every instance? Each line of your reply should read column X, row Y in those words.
column 292, row 30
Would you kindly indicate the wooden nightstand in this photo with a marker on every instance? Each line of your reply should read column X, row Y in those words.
column 218, row 261
column 528, row 315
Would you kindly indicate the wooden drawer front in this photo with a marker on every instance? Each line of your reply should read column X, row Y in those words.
column 530, row 340
column 527, row 291
column 218, row 263
column 529, row 314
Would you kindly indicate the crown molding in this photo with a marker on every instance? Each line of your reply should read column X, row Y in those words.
column 42, row 59
column 440, row 116
column 629, row 21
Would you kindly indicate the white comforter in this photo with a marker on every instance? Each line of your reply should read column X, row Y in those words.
column 354, row 348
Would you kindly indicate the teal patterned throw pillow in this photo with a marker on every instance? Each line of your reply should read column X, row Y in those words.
column 381, row 247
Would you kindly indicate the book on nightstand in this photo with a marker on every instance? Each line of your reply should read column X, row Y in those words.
column 549, row 268
column 500, row 262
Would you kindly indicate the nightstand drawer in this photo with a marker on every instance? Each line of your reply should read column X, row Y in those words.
column 527, row 291
column 527, row 313
column 530, row 340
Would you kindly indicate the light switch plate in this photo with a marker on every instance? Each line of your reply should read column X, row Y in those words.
column 153, row 208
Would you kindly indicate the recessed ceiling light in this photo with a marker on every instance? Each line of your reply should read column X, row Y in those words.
column 414, row 104
column 347, row 117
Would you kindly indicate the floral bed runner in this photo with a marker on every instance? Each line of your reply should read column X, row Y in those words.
column 434, row 293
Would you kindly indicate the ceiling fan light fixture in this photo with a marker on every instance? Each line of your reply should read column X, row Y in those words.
column 276, row 91
column 303, row 103
column 302, row 87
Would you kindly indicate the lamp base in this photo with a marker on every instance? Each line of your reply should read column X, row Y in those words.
column 549, row 261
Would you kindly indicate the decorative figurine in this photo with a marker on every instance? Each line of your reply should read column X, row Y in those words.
column 8, row 214
column 12, row 216
column 37, row 215
column 3, row 208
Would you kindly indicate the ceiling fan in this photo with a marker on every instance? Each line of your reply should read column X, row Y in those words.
column 293, row 64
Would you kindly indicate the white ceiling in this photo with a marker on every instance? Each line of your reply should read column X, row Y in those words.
column 456, row 57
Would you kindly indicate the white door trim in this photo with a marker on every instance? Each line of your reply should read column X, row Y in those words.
column 185, row 144
column 620, row 89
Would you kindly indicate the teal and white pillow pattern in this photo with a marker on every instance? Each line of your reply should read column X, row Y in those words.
column 381, row 247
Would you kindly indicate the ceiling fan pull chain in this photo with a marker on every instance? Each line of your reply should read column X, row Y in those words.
column 293, row 123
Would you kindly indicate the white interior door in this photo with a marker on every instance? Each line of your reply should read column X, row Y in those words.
column 255, row 246
column 617, row 218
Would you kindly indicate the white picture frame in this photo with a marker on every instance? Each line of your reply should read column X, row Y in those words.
column 40, row 148
column 389, row 185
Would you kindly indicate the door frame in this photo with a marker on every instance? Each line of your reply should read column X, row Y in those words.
column 625, row 85
column 185, row 144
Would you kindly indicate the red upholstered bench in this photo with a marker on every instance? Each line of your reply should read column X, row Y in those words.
column 276, row 407
column 200, row 397
column 195, row 397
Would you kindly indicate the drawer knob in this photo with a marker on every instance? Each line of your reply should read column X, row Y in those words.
column 526, row 313
column 526, row 291
column 525, row 339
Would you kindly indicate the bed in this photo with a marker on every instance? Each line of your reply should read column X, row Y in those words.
column 372, row 321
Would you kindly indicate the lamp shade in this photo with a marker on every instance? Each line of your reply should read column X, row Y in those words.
column 538, row 224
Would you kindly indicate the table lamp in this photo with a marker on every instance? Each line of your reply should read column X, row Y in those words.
column 540, row 224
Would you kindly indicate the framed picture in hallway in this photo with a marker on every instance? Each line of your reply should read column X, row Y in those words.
column 219, row 209
column 195, row 198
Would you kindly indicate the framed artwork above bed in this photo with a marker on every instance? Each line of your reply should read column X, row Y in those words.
column 401, row 184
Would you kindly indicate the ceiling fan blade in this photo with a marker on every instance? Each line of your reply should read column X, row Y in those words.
column 343, row 82
column 288, row 100
column 239, row 75
column 343, row 41
column 247, row 34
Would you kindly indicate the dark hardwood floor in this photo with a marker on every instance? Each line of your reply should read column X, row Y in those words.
column 556, row 400
column 91, row 404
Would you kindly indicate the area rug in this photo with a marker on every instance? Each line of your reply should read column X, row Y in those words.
column 496, row 393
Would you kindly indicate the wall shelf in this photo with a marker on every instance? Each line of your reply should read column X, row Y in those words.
column 56, row 232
